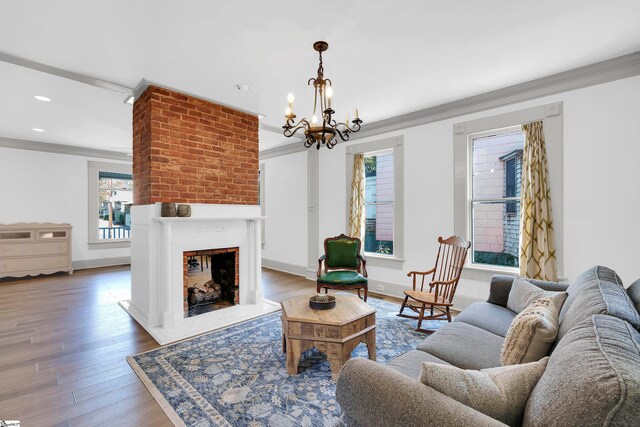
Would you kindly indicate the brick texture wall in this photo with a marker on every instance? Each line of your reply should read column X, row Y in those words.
column 188, row 150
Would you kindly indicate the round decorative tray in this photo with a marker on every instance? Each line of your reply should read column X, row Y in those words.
column 322, row 305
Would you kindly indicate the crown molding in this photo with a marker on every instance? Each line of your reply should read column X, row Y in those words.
column 271, row 128
column 20, row 144
column 295, row 147
column 65, row 74
column 590, row 75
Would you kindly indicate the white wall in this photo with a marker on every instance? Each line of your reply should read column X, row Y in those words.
column 286, row 208
column 46, row 187
column 602, row 178
column 601, row 182
column 428, row 195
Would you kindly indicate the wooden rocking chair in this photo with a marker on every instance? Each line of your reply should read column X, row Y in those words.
column 442, row 285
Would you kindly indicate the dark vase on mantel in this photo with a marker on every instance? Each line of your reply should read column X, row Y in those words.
column 184, row 210
column 168, row 209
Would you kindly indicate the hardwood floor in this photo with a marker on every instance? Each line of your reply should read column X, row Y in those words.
column 63, row 344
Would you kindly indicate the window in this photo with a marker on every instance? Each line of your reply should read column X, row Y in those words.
column 110, row 201
column 115, row 195
column 378, row 168
column 495, row 198
column 383, row 205
column 487, row 182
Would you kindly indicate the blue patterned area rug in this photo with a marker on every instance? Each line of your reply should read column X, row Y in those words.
column 237, row 376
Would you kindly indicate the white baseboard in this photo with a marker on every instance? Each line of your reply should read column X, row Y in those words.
column 298, row 270
column 101, row 262
column 389, row 289
column 460, row 301
column 134, row 311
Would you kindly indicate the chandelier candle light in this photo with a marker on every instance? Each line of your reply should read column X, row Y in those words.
column 328, row 130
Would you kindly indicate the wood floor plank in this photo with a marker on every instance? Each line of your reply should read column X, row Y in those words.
column 51, row 412
column 63, row 392
column 17, row 331
column 33, row 384
column 107, row 413
column 144, row 415
column 94, row 390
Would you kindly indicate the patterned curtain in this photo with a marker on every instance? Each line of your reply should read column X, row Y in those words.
column 356, row 209
column 538, row 244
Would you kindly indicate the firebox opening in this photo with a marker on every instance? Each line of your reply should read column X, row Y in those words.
column 211, row 280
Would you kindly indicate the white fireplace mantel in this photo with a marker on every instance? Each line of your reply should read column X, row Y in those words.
column 157, row 246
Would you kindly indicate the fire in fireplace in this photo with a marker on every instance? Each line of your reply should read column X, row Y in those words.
column 211, row 280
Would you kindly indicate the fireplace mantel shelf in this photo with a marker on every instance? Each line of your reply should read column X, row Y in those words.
column 169, row 220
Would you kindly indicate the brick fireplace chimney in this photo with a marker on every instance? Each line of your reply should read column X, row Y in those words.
column 188, row 150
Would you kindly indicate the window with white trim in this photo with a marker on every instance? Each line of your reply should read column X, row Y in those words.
column 115, row 196
column 384, row 199
column 110, row 200
column 487, row 184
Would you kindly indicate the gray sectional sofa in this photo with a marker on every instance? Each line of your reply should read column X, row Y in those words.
column 592, row 377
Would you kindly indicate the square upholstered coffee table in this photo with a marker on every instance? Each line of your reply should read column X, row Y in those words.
column 335, row 332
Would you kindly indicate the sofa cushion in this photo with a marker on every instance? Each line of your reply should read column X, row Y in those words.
column 592, row 378
column 342, row 277
column 531, row 333
column 371, row 394
column 596, row 291
column 523, row 294
column 501, row 393
column 464, row 346
column 585, row 280
column 410, row 363
column 487, row 316
column 500, row 287
column 634, row 293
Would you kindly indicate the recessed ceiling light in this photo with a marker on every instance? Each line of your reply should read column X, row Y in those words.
column 37, row 130
column 242, row 87
column 42, row 98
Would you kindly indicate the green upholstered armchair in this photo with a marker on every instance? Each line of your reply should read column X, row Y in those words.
column 342, row 266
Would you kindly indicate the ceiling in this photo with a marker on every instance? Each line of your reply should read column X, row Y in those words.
column 79, row 114
column 385, row 58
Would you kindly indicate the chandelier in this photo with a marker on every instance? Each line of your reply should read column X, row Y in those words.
column 324, row 129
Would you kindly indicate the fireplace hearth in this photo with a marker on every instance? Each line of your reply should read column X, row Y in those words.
column 211, row 280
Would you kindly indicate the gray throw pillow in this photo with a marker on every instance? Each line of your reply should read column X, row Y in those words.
column 523, row 294
column 500, row 393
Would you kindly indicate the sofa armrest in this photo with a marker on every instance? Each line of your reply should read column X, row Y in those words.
column 500, row 287
column 371, row 394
